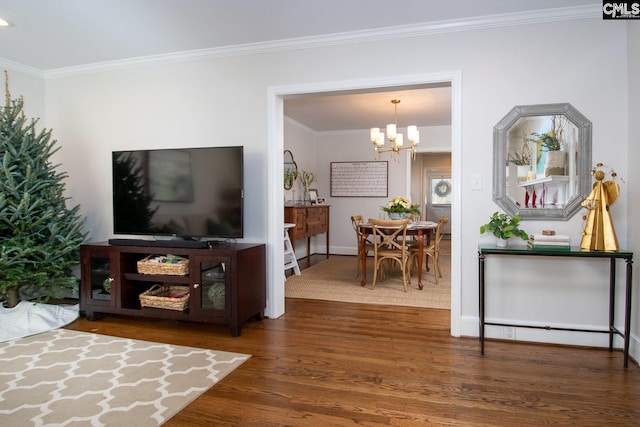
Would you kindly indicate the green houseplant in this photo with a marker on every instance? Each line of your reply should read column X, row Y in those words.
column 504, row 226
column 39, row 236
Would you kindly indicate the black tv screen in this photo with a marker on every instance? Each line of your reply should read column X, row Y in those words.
column 191, row 193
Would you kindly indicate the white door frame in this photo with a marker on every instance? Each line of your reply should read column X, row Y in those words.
column 275, row 148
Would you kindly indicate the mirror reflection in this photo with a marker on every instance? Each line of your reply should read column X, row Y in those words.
column 290, row 170
column 542, row 161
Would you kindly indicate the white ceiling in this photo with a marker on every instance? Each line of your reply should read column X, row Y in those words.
column 48, row 35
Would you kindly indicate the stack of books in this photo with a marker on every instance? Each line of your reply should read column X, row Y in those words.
column 549, row 242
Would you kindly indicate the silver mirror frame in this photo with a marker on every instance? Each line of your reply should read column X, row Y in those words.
column 500, row 133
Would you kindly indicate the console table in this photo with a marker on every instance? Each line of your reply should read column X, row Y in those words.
column 574, row 252
column 310, row 220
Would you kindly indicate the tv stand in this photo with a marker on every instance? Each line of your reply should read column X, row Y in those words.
column 226, row 283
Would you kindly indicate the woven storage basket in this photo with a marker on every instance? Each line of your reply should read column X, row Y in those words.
column 146, row 266
column 158, row 297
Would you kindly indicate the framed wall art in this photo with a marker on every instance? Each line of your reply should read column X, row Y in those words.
column 359, row 179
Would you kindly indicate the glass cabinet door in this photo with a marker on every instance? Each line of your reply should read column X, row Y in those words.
column 101, row 279
column 213, row 278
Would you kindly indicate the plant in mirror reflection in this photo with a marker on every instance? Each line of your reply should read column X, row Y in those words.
column 289, row 177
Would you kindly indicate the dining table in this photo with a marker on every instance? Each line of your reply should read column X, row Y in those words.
column 419, row 230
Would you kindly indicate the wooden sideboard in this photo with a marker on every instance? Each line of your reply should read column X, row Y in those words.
column 310, row 220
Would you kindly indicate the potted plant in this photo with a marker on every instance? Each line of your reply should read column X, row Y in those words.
column 400, row 208
column 503, row 227
column 551, row 143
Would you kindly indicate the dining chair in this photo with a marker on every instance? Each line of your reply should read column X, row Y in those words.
column 432, row 251
column 356, row 221
column 390, row 237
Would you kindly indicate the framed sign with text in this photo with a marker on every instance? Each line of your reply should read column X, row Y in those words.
column 359, row 179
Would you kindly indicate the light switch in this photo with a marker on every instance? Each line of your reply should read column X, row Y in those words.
column 476, row 181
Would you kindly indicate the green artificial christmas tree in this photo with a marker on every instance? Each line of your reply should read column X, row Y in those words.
column 39, row 236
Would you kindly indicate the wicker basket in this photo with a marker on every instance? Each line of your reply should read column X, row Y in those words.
column 167, row 297
column 179, row 268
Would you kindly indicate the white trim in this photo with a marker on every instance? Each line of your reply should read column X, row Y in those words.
column 275, row 216
column 275, row 205
column 386, row 33
column 21, row 68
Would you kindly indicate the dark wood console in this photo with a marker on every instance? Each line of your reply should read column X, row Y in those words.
column 491, row 250
column 310, row 220
column 235, row 271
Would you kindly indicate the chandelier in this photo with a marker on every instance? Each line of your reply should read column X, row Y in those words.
column 395, row 138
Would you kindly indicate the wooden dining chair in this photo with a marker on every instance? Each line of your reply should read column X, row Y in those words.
column 432, row 251
column 356, row 221
column 390, row 237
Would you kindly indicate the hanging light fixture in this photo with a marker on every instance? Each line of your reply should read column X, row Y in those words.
column 395, row 138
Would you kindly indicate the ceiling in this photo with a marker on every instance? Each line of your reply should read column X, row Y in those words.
column 48, row 35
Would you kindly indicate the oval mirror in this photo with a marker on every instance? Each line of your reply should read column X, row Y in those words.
column 290, row 170
column 542, row 161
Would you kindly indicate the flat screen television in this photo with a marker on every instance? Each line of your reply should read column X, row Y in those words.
column 186, row 193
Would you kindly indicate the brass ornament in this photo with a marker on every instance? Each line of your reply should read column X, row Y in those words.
column 599, row 233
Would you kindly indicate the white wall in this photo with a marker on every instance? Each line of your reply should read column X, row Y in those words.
column 632, row 187
column 32, row 89
column 222, row 101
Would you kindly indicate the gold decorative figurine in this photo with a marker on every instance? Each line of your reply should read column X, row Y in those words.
column 599, row 233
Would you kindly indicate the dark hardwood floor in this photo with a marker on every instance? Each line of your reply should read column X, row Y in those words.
column 338, row 364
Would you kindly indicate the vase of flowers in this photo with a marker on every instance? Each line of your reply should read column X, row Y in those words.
column 400, row 208
column 503, row 227
column 306, row 178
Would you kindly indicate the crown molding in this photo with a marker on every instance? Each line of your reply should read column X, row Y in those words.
column 404, row 31
column 21, row 68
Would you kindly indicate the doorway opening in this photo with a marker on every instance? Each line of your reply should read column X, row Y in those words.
column 276, row 96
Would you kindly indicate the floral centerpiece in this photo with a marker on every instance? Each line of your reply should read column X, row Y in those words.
column 504, row 227
column 400, row 207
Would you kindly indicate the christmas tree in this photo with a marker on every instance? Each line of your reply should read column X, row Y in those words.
column 39, row 236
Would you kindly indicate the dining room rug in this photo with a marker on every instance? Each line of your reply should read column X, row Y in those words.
column 334, row 280
column 72, row 378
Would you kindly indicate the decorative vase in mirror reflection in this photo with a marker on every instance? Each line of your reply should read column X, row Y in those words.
column 555, row 163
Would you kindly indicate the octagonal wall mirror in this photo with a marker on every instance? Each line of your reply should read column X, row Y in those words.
column 542, row 161
column 290, row 170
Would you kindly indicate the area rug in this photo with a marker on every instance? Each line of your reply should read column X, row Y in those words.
column 334, row 280
column 71, row 378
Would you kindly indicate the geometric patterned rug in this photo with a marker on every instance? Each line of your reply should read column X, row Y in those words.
column 71, row 378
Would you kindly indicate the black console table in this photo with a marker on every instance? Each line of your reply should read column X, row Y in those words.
column 574, row 252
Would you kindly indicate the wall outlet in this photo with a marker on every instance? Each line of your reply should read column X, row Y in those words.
column 509, row 333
